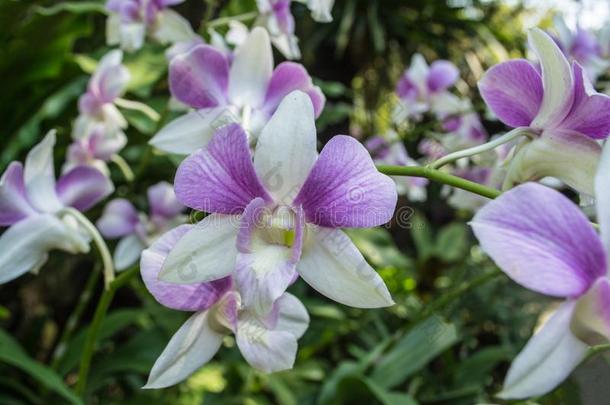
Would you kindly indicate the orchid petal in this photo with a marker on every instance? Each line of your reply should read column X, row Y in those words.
column 183, row 297
column 83, row 187
column 442, row 75
column 192, row 131
column 344, row 188
column 199, row 78
column 557, row 80
column 591, row 320
column 171, row 28
column 513, row 91
column 162, row 200
column 264, row 349
column 536, row 236
column 286, row 78
column 193, row 345
column 206, row 253
column 566, row 155
column 286, row 148
column 547, row 359
column 292, row 316
column 332, row 265
column 118, row 219
column 39, row 176
column 321, row 10
column 221, row 177
column 251, row 70
column 14, row 204
column 590, row 112
column 24, row 246
column 127, row 252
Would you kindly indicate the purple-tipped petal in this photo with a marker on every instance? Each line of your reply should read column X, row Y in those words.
column 14, row 204
column 184, row 297
column 287, row 77
column 442, row 75
column 590, row 112
column 200, row 77
column 163, row 201
column 406, row 89
column 83, row 187
column 591, row 320
column 513, row 91
column 221, row 177
column 110, row 78
column 541, row 240
column 344, row 189
column 119, row 219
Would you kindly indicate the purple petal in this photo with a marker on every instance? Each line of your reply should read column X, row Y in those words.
column 443, row 74
column 285, row 20
column 344, row 189
column 590, row 112
column 221, row 177
column 541, row 240
column 14, row 204
column 406, row 89
column 184, row 297
column 513, row 91
column 119, row 219
column 286, row 78
column 200, row 77
column 163, row 201
column 83, row 187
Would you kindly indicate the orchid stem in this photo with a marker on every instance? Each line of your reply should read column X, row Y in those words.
column 123, row 166
column 92, row 332
column 441, row 177
column 138, row 106
column 226, row 20
column 99, row 242
column 509, row 136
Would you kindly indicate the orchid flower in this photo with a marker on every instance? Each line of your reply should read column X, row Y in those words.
column 275, row 15
column 543, row 241
column 557, row 108
column 423, row 88
column 42, row 214
column 268, row 343
column 136, row 230
column 320, row 9
column 463, row 131
column 97, row 109
column 131, row 20
column 94, row 150
column 393, row 152
column 278, row 218
column 247, row 91
column 582, row 46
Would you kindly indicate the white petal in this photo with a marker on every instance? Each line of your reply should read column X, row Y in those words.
column 602, row 195
column 205, row 253
column 320, row 10
column 264, row 349
column 127, row 252
column 288, row 45
column 113, row 29
column 193, row 345
column 547, row 359
column 172, row 27
column 558, row 81
column 286, row 148
column 251, row 70
column 418, row 73
column 39, row 176
column 132, row 36
column 24, row 246
column 293, row 316
column 192, row 131
column 332, row 265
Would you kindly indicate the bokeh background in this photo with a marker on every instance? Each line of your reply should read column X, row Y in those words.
column 457, row 323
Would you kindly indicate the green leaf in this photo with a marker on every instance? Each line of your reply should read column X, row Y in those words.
column 452, row 242
column 13, row 354
column 419, row 346
column 75, row 7
column 421, row 232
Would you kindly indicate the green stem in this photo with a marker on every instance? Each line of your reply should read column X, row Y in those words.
column 225, row 20
column 93, row 330
column 597, row 349
column 74, row 318
column 509, row 136
column 138, row 106
column 441, row 177
column 123, row 166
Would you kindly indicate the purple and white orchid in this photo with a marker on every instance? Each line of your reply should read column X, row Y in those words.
column 268, row 343
column 279, row 217
column 247, row 91
column 276, row 16
column 423, row 88
column 95, row 150
column 97, row 109
column 543, row 241
column 42, row 214
column 137, row 230
column 557, row 108
column 131, row 20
